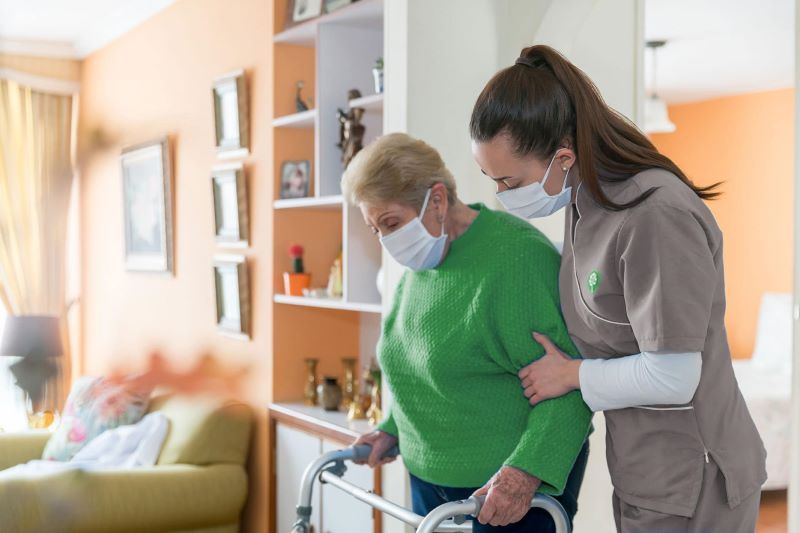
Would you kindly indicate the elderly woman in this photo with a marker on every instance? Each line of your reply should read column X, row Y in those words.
column 458, row 333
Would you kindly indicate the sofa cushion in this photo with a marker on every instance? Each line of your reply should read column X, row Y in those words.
column 93, row 406
column 204, row 430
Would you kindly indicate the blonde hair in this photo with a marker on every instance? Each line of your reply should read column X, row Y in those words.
column 396, row 168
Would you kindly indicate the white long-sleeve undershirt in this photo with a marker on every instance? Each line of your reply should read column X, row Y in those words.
column 647, row 378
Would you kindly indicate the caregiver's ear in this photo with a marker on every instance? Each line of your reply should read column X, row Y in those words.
column 565, row 156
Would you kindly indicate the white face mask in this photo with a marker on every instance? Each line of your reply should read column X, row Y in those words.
column 532, row 201
column 413, row 247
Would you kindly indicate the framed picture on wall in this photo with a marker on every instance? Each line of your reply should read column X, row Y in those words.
column 295, row 177
column 303, row 10
column 232, row 290
column 231, row 115
column 147, row 206
column 229, row 191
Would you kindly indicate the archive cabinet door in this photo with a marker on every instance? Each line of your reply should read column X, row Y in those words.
column 342, row 513
column 294, row 450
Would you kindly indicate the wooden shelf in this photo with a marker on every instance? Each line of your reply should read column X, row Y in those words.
column 306, row 119
column 362, row 13
column 371, row 102
column 328, row 303
column 323, row 202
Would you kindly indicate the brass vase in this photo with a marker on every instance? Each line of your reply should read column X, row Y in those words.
column 310, row 389
column 349, row 387
column 375, row 413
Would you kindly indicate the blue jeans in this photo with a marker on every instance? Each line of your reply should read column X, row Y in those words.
column 425, row 497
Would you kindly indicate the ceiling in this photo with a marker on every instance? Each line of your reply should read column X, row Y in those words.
column 69, row 28
column 720, row 47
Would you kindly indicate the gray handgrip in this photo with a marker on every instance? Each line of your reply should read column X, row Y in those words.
column 362, row 451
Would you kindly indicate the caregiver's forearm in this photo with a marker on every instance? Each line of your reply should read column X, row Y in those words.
column 648, row 378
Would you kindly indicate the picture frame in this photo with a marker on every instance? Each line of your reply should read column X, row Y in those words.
column 332, row 5
column 147, row 206
column 231, row 115
column 229, row 194
column 232, row 296
column 295, row 179
column 303, row 10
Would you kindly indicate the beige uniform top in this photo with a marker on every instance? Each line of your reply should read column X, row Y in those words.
column 650, row 278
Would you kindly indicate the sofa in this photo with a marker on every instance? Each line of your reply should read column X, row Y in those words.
column 199, row 483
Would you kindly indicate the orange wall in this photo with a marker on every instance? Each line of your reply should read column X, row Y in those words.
column 747, row 141
column 157, row 80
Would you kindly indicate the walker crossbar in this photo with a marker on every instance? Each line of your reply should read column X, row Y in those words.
column 448, row 517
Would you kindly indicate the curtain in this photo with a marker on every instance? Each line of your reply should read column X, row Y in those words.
column 35, row 184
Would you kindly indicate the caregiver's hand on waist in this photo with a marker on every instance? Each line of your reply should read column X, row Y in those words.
column 552, row 375
column 508, row 496
column 381, row 443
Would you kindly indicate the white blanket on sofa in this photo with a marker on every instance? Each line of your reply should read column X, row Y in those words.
column 129, row 446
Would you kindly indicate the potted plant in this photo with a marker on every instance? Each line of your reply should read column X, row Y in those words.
column 294, row 282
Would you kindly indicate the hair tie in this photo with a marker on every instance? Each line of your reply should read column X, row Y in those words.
column 531, row 62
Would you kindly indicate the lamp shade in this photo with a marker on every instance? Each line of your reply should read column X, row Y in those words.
column 33, row 336
column 656, row 116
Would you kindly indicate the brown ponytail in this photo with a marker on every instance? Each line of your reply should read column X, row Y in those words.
column 544, row 100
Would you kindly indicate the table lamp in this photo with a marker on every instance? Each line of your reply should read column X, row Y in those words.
column 37, row 340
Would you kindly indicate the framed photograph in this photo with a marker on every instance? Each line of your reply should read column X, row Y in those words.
column 295, row 176
column 229, row 191
column 305, row 10
column 232, row 290
column 333, row 5
column 231, row 115
column 147, row 206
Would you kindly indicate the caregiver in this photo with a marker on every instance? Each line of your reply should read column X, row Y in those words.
column 642, row 292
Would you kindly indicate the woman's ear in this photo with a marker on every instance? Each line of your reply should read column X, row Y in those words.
column 566, row 158
column 439, row 200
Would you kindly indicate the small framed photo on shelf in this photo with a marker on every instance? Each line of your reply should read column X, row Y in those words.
column 333, row 5
column 231, row 115
column 302, row 10
column 147, row 206
column 295, row 177
column 232, row 289
column 229, row 191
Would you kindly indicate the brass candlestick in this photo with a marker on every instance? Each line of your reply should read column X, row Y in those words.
column 349, row 388
column 310, row 389
column 375, row 413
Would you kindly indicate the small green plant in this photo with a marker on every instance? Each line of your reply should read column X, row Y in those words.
column 379, row 63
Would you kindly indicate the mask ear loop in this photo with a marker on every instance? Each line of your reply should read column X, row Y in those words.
column 547, row 174
column 425, row 206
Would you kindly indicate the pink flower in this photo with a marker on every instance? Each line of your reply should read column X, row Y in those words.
column 77, row 433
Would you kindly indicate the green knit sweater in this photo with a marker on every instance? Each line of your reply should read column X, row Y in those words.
column 450, row 351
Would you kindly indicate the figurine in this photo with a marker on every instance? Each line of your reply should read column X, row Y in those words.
column 335, row 281
column 299, row 104
column 351, row 130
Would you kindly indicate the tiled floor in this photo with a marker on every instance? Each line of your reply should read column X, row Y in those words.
column 773, row 516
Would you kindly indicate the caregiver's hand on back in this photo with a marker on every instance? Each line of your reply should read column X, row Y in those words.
column 381, row 443
column 508, row 496
column 552, row 375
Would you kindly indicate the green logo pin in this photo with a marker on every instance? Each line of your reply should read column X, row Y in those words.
column 594, row 281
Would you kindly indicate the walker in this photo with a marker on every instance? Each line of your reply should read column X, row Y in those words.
column 448, row 517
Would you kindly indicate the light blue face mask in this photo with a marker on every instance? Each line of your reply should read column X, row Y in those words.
column 413, row 247
column 532, row 201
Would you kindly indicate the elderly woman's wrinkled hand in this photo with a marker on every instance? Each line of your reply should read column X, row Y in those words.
column 508, row 496
column 552, row 375
column 381, row 442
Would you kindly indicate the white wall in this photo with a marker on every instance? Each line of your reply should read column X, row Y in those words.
column 794, row 483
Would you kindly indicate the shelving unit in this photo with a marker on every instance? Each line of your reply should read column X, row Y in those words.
column 332, row 54
column 361, row 13
column 305, row 119
column 323, row 202
column 328, row 303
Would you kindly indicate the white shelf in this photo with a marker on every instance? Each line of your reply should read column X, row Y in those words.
column 361, row 13
column 305, row 119
column 371, row 102
column 322, row 202
column 328, row 303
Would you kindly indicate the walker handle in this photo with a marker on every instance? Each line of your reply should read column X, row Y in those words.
column 362, row 451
